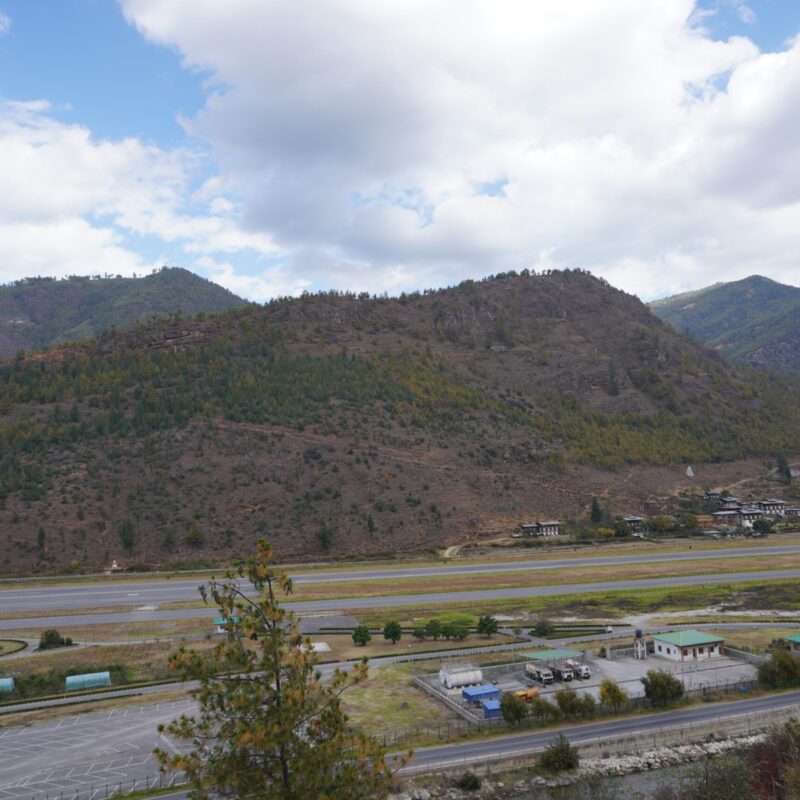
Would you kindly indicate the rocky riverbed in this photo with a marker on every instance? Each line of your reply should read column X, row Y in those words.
column 659, row 765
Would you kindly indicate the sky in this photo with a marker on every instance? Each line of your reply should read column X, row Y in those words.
column 277, row 147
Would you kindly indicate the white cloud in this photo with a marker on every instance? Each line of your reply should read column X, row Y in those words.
column 5, row 23
column 362, row 145
column 72, row 204
column 271, row 282
column 628, row 141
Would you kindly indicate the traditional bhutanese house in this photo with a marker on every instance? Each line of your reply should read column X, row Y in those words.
column 747, row 516
column 548, row 528
column 636, row 524
column 687, row 645
column 730, row 503
column 792, row 512
column 773, row 507
column 711, row 494
column 729, row 518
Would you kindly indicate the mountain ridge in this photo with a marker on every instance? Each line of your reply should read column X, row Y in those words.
column 341, row 424
column 754, row 321
column 42, row 312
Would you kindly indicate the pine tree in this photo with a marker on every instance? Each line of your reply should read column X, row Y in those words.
column 596, row 514
column 271, row 728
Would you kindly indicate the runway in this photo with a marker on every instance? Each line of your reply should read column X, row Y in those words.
column 41, row 598
column 428, row 598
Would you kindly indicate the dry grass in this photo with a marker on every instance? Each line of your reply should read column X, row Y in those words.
column 145, row 661
column 342, row 647
column 756, row 639
column 166, row 630
column 549, row 577
column 388, row 701
column 8, row 646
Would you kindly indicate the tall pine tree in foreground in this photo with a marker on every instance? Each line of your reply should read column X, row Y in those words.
column 268, row 726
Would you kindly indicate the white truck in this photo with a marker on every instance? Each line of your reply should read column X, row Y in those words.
column 562, row 672
column 579, row 670
column 540, row 674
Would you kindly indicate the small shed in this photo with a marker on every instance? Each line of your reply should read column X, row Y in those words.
column 477, row 694
column 221, row 624
column 90, row 680
column 6, row 685
column 794, row 644
column 683, row 645
column 491, row 709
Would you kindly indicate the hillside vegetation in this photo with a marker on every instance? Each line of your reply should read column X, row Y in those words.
column 347, row 424
column 40, row 312
column 755, row 321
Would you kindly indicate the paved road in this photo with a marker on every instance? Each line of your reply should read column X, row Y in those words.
column 149, row 593
column 392, row 601
column 431, row 758
column 83, row 754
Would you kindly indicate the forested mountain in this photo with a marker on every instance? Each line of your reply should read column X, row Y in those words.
column 351, row 424
column 754, row 321
column 40, row 312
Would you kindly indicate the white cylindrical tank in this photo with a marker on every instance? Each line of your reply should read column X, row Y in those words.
column 455, row 678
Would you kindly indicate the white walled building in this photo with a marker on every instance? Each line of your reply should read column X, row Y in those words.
column 687, row 645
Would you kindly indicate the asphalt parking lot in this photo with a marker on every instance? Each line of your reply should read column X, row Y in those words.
column 88, row 754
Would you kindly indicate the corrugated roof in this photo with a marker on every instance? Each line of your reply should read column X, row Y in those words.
column 795, row 637
column 484, row 690
column 688, row 638
column 552, row 655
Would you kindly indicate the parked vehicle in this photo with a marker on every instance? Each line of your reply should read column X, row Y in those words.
column 579, row 670
column 562, row 673
column 540, row 674
column 528, row 694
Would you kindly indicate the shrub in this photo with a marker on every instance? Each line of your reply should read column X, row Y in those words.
column 559, row 755
column 612, row 694
column 469, row 782
column 782, row 670
column 661, row 688
column 52, row 638
column 568, row 702
column 543, row 627
column 513, row 708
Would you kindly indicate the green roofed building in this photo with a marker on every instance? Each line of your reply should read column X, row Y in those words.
column 683, row 645
column 794, row 642
column 221, row 623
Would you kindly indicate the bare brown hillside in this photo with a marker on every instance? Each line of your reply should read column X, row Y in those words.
column 338, row 424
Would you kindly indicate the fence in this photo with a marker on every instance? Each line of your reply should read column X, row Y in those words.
column 105, row 791
column 471, row 723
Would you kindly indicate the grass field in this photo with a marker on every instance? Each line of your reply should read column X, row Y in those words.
column 8, row 646
column 388, row 701
column 550, row 550
column 457, row 583
column 610, row 605
column 173, row 630
column 144, row 661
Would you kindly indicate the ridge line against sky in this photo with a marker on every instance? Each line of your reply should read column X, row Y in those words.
column 276, row 147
